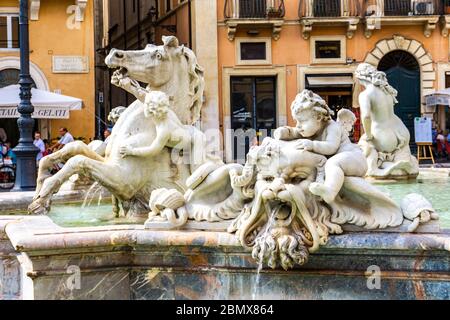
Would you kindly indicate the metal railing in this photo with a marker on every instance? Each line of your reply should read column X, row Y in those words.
column 254, row 9
column 328, row 8
column 404, row 7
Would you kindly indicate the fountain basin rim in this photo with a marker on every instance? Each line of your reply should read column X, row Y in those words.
column 39, row 235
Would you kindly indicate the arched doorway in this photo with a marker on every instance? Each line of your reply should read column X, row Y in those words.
column 10, row 77
column 403, row 73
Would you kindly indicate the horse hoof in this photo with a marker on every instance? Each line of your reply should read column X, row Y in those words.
column 37, row 207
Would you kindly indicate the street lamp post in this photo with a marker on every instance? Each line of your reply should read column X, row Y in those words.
column 25, row 151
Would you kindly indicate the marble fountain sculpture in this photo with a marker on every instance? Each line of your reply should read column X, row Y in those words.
column 386, row 139
column 294, row 192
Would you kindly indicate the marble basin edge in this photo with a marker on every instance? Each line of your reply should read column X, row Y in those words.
column 40, row 235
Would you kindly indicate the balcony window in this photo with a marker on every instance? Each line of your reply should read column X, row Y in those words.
column 411, row 7
column 397, row 7
column 252, row 8
column 9, row 32
column 254, row 14
column 327, row 8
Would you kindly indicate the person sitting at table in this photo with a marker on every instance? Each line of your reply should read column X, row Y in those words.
column 440, row 140
column 2, row 152
column 9, row 157
column 66, row 138
column 39, row 143
column 3, row 135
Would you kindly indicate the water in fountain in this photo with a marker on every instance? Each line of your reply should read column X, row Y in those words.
column 268, row 226
column 92, row 192
column 100, row 198
column 86, row 214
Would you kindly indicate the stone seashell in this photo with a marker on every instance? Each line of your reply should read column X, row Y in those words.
column 414, row 204
column 164, row 198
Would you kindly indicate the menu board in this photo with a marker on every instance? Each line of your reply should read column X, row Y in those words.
column 423, row 130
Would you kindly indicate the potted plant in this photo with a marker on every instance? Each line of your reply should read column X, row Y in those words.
column 273, row 12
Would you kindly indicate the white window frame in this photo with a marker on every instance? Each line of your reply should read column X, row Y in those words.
column 341, row 60
column 9, row 31
column 267, row 61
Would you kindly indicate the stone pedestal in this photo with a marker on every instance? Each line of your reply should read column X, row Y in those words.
column 128, row 262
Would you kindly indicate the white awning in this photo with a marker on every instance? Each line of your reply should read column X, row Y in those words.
column 438, row 98
column 47, row 105
column 330, row 81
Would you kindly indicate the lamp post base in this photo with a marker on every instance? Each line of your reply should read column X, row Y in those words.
column 26, row 171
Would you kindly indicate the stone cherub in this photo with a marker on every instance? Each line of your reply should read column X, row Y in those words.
column 115, row 114
column 318, row 133
column 285, row 206
column 386, row 139
column 170, row 132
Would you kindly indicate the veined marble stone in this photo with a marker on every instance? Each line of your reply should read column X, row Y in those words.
column 130, row 262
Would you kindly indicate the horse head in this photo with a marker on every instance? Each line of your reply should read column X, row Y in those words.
column 169, row 68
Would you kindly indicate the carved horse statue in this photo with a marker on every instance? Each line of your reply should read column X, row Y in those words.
column 169, row 68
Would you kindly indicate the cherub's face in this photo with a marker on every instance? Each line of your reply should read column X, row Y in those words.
column 348, row 125
column 308, row 123
column 150, row 107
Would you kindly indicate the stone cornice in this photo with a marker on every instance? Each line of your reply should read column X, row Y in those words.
column 429, row 23
column 350, row 22
column 234, row 24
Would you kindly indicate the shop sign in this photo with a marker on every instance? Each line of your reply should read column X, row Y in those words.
column 39, row 113
column 328, row 49
column 423, row 130
column 436, row 100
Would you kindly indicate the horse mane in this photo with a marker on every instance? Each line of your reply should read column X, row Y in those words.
column 196, row 84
